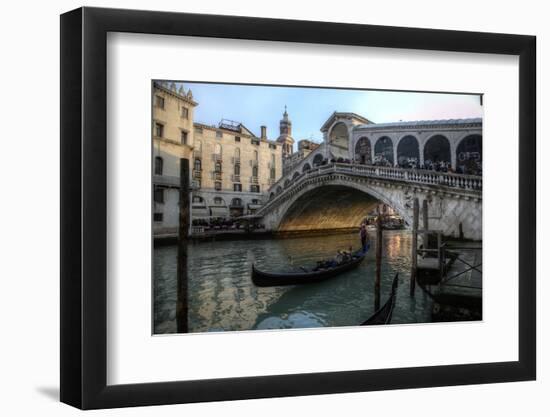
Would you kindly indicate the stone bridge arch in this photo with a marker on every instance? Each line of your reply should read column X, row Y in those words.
column 452, row 208
column 328, row 189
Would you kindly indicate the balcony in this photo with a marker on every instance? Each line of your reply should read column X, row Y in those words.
column 197, row 175
column 254, row 180
column 217, row 175
column 217, row 157
column 236, row 178
column 197, row 153
column 236, row 160
column 253, row 163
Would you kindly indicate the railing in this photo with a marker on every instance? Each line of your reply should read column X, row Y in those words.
column 253, row 180
column 217, row 175
column 197, row 174
column 236, row 160
column 459, row 181
column 235, row 178
column 217, row 157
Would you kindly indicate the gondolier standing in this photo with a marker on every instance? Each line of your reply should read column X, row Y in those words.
column 364, row 236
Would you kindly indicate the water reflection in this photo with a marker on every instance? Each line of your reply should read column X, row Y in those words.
column 222, row 296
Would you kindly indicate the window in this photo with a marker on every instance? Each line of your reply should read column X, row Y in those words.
column 272, row 173
column 237, row 138
column 185, row 112
column 198, row 130
column 255, row 142
column 158, row 195
column 273, row 159
column 218, row 167
column 197, row 199
column 217, row 185
column 255, row 201
column 218, row 201
column 198, row 165
column 271, row 146
column 255, row 155
column 254, row 188
column 159, row 102
column 157, row 217
column 255, row 171
column 159, row 130
column 183, row 137
column 219, row 134
column 236, row 202
column 237, row 187
column 158, row 165
column 237, row 170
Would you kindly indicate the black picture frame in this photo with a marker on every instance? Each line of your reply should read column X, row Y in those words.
column 84, row 207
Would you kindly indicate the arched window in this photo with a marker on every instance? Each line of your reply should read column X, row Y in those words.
column 287, row 182
column 469, row 155
column 197, row 199
column 271, row 195
column 306, row 168
column 383, row 151
column 255, row 171
column 339, row 135
column 218, row 167
column 279, row 189
column 158, row 165
column 255, row 155
column 236, row 202
column 408, row 155
column 198, row 165
column 237, row 169
column 363, row 151
column 295, row 175
column 437, row 149
column 317, row 160
column 218, row 201
column 255, row 201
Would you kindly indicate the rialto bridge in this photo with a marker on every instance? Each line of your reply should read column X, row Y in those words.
column 337, row 184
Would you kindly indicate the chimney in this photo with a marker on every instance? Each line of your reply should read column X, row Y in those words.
column 264, row 132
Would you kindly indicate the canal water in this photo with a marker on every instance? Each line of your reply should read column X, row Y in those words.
column 222, row 296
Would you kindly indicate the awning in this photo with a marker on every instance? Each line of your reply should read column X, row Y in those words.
column 219, row 211
column 254, row 206
column 200, row 212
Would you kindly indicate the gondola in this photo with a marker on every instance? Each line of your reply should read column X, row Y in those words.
column 273, row 279
column 384, row 314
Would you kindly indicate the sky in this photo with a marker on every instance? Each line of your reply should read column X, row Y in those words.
column 309, row 108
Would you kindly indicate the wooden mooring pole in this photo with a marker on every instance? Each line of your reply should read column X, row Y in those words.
column 182, row 307
column 425, row 226
column 378, row 262
column 414, row 259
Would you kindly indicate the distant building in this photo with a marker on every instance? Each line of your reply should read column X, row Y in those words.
column 231, row 168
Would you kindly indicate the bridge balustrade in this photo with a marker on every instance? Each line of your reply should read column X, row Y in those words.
column 466, row 182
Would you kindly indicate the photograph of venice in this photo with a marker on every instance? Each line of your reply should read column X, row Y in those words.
column 280, row 207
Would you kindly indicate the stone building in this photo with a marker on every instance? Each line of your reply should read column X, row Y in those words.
column 173, row 111
column 231, row 168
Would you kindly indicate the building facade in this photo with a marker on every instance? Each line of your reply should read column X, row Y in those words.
column 231, row 168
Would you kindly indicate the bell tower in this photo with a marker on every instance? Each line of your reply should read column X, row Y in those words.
column 285, row 134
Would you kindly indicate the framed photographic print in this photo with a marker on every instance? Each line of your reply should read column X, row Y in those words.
column 258, row 208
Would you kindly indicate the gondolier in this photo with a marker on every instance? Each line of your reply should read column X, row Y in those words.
column 364, row 236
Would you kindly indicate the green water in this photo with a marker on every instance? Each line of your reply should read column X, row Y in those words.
column 222, row 296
